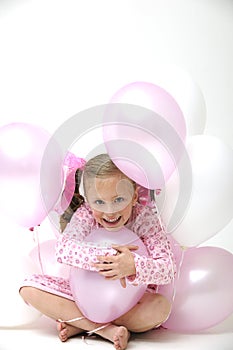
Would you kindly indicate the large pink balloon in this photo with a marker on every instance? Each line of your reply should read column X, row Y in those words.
column 102, row 300
column 203, row 290
column 28, row 191
column 144, row 130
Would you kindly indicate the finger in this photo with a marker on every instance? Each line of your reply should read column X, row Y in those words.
column 104, row 267
column 105, row 259
column 123, row 248
column 132, row 247
column 114, row 278
column 109, row 273
column 123, row 282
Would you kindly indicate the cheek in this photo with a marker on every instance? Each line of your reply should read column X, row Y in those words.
column 127, row 211
column 97, row 214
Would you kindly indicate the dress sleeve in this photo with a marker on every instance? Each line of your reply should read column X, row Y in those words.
column 159, row 266
column 71, row 249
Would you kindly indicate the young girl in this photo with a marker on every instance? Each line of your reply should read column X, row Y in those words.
column 111, row 203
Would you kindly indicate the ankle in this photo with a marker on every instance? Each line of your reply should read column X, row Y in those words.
column 101, row 329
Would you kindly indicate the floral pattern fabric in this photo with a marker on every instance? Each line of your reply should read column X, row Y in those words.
column 157, row 268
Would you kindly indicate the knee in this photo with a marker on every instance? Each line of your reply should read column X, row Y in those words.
column 163, row 306
column 150, row 313
column 157, row 312
column 27, row 294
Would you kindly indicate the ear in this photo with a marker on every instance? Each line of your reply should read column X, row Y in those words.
column 135, row 196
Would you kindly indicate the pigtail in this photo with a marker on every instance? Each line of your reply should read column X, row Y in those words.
column 76, row 201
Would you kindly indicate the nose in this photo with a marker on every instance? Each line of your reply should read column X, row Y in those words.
column 110, row 210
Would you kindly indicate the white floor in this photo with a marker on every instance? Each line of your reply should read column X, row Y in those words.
column 42, row 335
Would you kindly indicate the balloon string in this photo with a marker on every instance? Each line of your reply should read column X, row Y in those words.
column 38, row 249
column 174, row 285
column 72, row 320
column 98, row 329
column 178, row 274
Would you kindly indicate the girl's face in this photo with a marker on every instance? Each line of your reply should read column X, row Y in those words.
column 111, row 200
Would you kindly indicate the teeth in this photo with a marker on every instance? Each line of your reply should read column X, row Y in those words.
column 112, row 220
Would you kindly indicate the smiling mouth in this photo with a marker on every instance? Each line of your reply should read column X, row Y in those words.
column 112, row 221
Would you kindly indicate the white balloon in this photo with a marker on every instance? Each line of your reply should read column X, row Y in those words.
column 16, row 265
column 210, row 206
column 186, row 92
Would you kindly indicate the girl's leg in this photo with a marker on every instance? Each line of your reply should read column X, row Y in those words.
column 148, row 313
column 66, row 331
column 57, row 307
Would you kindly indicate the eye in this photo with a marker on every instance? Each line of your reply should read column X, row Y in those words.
column 99, row 201
column 119, row 200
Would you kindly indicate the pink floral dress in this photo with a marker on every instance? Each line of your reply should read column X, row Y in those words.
column 157, row 268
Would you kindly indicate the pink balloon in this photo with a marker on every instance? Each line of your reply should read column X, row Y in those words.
column 44, row 258
column 204, row 290
column 102, row 300
column 144, row 130
column 28, row 190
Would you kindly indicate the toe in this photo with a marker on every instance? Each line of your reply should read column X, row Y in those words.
column 59, row 326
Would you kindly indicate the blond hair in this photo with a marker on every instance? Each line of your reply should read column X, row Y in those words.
column 100, row 166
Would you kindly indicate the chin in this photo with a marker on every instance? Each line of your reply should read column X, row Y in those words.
column 113, row 228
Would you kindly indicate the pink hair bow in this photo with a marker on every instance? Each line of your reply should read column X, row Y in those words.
column 70, row 165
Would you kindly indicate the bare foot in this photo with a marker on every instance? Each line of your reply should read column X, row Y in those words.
column 66, row 331
column 120, row 338
column 118, row 335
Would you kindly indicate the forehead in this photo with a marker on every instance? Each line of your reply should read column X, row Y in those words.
column 112, row 186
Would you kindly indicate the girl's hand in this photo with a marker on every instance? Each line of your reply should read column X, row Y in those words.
column 117, row 266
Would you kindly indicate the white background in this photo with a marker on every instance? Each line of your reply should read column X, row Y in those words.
column 60, row 57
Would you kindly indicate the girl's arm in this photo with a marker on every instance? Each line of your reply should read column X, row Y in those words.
column 71, row 248
column 78, row 253
column 159, row 266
